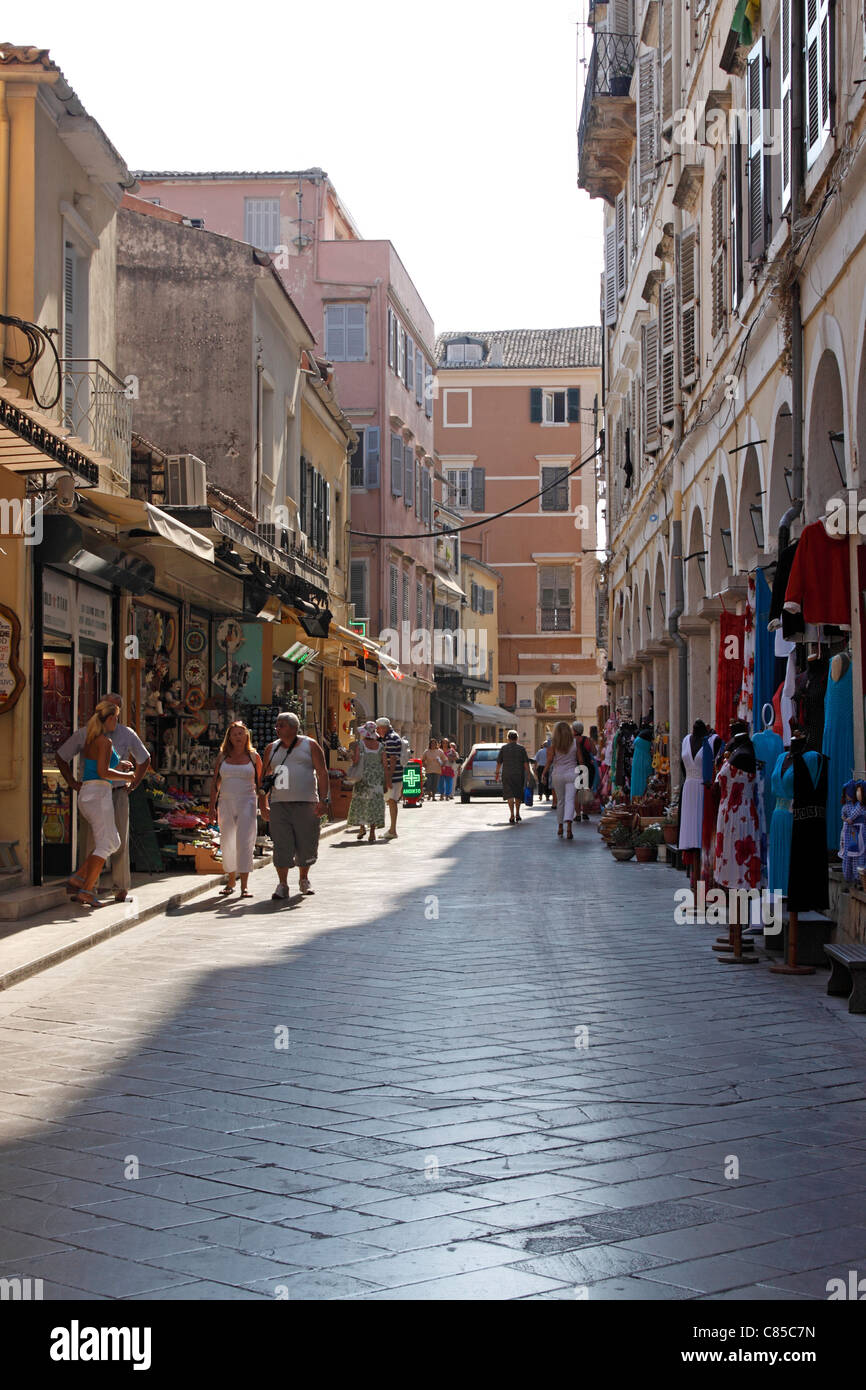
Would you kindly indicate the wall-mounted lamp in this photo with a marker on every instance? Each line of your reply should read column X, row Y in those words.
column 662, row 596
column 837, row 442
column 789, row 473
column 727, row 545
column 756, row 513
column 699, row 556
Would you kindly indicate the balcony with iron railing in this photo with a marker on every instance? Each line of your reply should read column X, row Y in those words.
column 555, row 619
column 607, row 125
column 97, row 407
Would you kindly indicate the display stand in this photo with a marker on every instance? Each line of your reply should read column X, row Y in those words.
column 790, row 967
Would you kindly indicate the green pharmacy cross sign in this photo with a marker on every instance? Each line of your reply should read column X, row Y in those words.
column 412, row 779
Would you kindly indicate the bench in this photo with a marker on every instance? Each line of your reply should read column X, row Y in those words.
column 848, row 975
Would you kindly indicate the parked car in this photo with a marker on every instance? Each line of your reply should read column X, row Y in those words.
column 478, row 774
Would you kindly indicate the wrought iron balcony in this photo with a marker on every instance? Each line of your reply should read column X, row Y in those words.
column 96, row 406
column 555, row 619
column 606, row 130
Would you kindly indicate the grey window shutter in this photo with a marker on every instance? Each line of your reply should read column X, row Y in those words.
column 371, row 455
column 419, row 378
column 736, row 217
column 651, row 386
column 356, row 332
column 819, row 53
column 390, row 337
column 688, row 282
column 410, row 363
column 574, row 405
column 785, row 9
column 620, row 245
column 666, row 63
column 335, row 332
column 610, row 299
column 535, row 405
column 358, row 588
column 408, row 475
column 396, row 465
column 428, row 393
column 667, row 326
column 327, row 545
column 755, row 85
column 647, row 125
column 477, row 490
column 635, row 201
column 418, row 489
column 302, row 500
column 719, row 242
column 427, row 515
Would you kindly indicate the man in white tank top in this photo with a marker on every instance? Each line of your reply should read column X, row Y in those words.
column 295, row 801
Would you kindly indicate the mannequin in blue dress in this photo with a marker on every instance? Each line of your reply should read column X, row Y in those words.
column 768, row 749
column 783, row 816
column 838, row 741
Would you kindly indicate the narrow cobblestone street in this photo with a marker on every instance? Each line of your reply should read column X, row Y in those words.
column 399, row 1101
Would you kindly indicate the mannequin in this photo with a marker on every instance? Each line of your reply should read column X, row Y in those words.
column 805, row 772
column 692, row 794
column 852, row 841
column 768, row 748
column 738, row 830
column 837, row 743
column 641, row 759
column 711, row 759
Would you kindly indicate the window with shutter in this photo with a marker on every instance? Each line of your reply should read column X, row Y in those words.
column 719, row 243
column 390, row 337
column 650, row 365
column 785, row 8
column 610, row 296
column 396, row 465
column 326, row 535
column 345, row 332
column 647, row 125
column 573, row 395
column 262, row 222
column 736, row 216
column 757, row 212
column 688, row 282
column 371, row 455
column 667, row 329
column 335, row 332
column 428, row 392
column 556, row 479
column 357, row 472
column 620, row 245
column 405, row 609
column 401, row 351
column 635, row 227
column 535, row 405
column 634, row 438
column 418, row 487
column 477, row 482
column 666, row 63
column 419, row 378
column 358, row 588
column 356, row 332
column 393, row 595
column 554, row 598
column 819, row 76
column 410, row 362
column 303, row 503
column 488, row 600
column 408, row 476
column 70, row 337
column 426, row 498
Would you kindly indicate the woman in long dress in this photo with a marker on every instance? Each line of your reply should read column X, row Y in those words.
column 102, row 767
column 236, row 781
column 368, row 799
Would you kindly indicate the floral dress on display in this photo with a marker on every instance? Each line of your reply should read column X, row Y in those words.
column 738, row 829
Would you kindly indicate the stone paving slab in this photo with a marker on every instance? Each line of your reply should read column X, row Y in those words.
column 348, row 1098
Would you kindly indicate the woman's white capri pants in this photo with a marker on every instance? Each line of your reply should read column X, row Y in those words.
column 237, row 821
column 563, row 785
column 96, row 805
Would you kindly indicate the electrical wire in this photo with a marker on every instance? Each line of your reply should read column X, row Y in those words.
column 37, row 340
column 485, row 521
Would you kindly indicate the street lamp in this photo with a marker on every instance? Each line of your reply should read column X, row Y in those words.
column 727, row 546
column 837, row 441
column 756, row 513
column 662, row 596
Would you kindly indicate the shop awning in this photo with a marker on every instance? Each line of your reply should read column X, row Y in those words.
column 33, row 441
column 449, row 587
column 130, row 514
column 489, row 714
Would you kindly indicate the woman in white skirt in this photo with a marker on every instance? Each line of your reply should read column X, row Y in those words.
column 236, row 781
column 102, row 768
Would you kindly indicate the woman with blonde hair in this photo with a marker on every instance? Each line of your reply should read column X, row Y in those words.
column 561, row 769
column 102, row 767
column 233, row 799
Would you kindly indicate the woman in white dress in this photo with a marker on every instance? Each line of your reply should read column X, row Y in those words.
column 236, row 782
column 692, row 794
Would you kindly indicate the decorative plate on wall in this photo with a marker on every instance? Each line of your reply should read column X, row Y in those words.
column 195, row 640
column 230, row 635
column 170, row 634
column 195, row 672
column 194, row 698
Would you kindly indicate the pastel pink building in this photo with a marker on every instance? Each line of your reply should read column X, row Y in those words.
column 371, row 322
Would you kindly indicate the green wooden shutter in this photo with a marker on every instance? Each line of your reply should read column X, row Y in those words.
column 574, row 405
column 535, row 409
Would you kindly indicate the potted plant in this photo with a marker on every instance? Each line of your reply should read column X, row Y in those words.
column 620, row 79
column 670, row 829
column 647, row 843
column 622, row 843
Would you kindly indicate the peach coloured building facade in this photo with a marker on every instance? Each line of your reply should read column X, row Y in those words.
column 514, row 415
column 370, row 321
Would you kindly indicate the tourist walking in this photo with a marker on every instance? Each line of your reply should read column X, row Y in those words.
column 102, row 768
column 131, row 750
column 585, row 750
column 446, row 780
column 393, row 746
column 368, row 799
column 540, row 761
column 294, row 796
column 562, row 764
column 234, row 791
column 432, row 761
column 512, row 768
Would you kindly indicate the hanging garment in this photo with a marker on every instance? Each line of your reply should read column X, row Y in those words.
column 819, row 585
column 691, row 797
column 768, row 749
column 783, row 700
column 852, row 841
column 782, row 822
column 808, row 889
column 765, row 642
column 712, row 748
column 641, row 762
column 838, row 747
column 809, row 690
column 780, row 583
column 747, row 687
column 738, row 829
column 730, row 669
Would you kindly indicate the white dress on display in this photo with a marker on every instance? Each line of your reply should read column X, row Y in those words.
column 692, row 797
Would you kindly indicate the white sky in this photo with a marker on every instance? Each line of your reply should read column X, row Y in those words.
column 449, row 128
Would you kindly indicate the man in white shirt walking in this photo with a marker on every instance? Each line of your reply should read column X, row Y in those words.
column 129, row 749
column 393, row 745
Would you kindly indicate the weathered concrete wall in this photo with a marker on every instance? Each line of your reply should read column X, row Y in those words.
column 185, row 329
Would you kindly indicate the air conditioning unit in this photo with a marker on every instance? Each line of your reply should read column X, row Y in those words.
column 186, row 481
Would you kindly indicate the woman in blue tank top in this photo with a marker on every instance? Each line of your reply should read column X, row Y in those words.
column 102, row 768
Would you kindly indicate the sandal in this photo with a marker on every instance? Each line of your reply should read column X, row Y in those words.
column 569, row 836
column 246, row 893
column 74, row 885
column 559, row 831
column 227, row 891
column 87, row 898
column 361, row 833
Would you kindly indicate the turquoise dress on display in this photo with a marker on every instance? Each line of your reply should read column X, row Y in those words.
column 783, row 820
column 641, row 763
column 838, row 745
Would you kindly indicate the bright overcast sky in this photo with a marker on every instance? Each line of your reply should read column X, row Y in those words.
column 448, row 128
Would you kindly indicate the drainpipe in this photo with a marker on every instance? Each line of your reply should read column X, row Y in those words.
column 259, row 407
column 796, row 507
column 4, row 211
column 678, row 734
